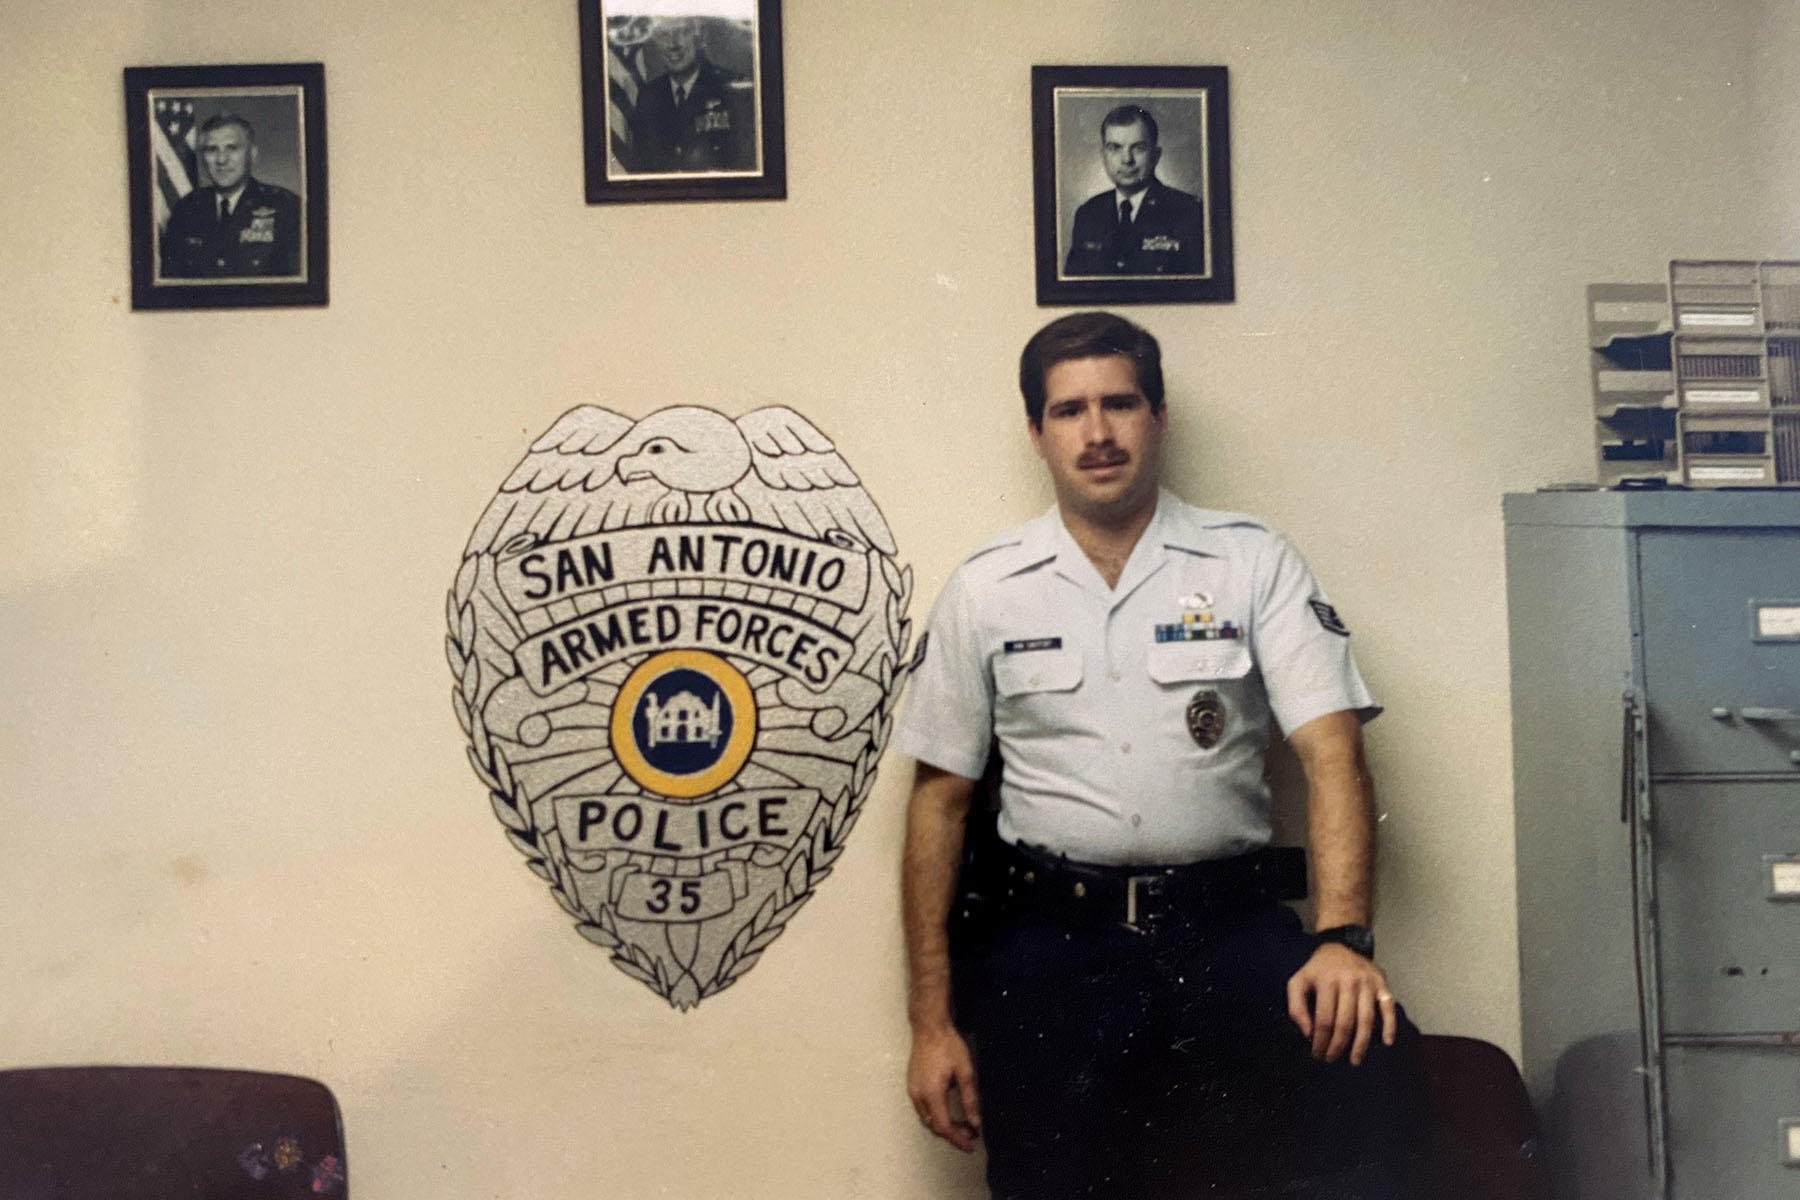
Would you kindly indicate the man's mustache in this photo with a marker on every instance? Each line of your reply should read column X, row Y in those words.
column 1104, row 456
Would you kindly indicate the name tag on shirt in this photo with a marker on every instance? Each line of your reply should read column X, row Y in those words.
column 1025, row 644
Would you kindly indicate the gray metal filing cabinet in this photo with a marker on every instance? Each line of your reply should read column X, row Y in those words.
column 1655, row 644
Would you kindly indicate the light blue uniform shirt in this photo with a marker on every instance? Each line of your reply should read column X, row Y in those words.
column 1132, row 721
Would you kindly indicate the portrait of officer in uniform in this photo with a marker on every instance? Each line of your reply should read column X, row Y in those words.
column 235, row 226
column 1129, row 1010
column 1141, row 225
column 696, row 116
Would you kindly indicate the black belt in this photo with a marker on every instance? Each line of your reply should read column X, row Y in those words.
column 1137, row 897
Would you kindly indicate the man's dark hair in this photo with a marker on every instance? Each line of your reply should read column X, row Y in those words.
column 220, row 120
column 1128, row 114
column 1088, row 335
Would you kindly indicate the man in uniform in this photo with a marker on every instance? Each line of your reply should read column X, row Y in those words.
column 239, row 227
column 696, row 117
column 1142, row 226
column 1146, row 1019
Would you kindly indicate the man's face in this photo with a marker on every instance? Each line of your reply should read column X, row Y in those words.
column 228, row 154
column 1099, row 439
column 1129, row 154
column 678, row 41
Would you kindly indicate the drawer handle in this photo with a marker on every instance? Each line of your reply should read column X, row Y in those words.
column 1758, row 714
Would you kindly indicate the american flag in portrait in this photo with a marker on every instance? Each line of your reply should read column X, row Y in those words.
column 172, row 146
column 625, row 38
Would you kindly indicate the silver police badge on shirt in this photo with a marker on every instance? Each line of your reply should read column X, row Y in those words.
column 677, row 645
column 1206, row 718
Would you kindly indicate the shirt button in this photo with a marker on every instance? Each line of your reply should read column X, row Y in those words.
column 1116, row 677
column 1125, row 747
column 1137, row 819
column 1036, row 680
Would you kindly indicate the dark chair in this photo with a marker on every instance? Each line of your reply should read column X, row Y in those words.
column 1487, row 1146
column 156, row 1133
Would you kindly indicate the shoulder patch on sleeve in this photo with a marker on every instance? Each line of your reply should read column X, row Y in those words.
column 1329, row 618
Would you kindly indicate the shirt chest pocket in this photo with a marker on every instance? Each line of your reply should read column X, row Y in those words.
column 1037, row 695
column 1017, row 676
column 1209, row 701
column 1039, row 702
column 1220, row 661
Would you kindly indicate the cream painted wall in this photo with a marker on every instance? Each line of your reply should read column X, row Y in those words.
column 239, row 827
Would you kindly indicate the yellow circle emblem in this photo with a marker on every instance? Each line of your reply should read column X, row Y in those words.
column 683, row 723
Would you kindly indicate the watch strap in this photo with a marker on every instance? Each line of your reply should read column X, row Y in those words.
column 1359, row 938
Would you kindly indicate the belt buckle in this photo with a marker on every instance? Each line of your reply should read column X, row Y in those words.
column 1137, row 920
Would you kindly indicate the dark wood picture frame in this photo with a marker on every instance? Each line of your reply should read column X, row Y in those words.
column 271, row 248
column 725, row 141
column 1178, row 249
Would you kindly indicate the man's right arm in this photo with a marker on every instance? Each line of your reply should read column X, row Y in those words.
column 940, row 1059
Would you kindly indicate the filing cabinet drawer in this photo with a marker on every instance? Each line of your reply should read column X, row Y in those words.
column 1728, row 898
column 1733, row 1113
column 1721, row 625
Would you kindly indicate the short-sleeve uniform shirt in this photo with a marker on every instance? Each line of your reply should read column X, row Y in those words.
column 1132, row 721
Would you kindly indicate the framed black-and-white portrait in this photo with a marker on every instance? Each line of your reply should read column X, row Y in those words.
column 681, row 100
column 1133, row 185
column 227, row 178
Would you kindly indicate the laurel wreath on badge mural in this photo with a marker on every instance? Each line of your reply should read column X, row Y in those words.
column 677, row 645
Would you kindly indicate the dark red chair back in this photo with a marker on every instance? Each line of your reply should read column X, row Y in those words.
column 157, row 1133
column 1487, row 1146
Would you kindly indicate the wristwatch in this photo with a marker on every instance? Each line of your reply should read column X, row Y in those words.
column 1358, row 937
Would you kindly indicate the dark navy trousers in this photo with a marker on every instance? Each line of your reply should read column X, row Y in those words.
column 1118, row 1064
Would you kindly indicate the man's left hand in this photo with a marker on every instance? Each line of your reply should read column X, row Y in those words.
column 1335, row 998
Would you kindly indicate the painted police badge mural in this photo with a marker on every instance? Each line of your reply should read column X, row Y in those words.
column 677, row 645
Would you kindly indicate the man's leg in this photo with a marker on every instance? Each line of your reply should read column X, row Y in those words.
column 1055, row 1024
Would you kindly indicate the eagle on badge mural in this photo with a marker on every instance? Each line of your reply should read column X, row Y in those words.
column 677, row 645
